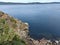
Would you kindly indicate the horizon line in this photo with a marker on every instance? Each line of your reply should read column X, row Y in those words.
column 27, row 2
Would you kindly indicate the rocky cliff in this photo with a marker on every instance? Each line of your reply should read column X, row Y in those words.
column 11, row 28
column 15, row 32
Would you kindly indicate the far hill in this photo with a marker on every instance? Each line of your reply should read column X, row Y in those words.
column 9, row 3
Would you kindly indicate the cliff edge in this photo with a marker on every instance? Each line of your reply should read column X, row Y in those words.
column 12, row 31
column 15, row 32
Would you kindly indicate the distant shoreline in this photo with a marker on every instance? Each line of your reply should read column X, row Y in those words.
column 11, row 3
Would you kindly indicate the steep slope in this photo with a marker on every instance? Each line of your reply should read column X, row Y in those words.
column 12, row 31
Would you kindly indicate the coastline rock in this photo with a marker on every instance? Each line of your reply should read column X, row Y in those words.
column 10, row 27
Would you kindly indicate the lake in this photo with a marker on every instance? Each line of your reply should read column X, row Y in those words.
column 43, row 19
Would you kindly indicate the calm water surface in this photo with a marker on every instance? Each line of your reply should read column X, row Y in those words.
column 44, row 19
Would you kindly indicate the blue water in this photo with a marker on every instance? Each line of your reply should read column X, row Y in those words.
column 43, row 19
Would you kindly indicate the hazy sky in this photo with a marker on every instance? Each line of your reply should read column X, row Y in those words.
column 29, row 0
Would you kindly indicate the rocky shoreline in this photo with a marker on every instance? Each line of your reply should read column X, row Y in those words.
column 43, row 41
column 22, row 30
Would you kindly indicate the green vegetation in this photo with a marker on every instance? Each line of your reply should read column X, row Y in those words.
column 8, row 35
column 14, row 22
column 15, row 41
